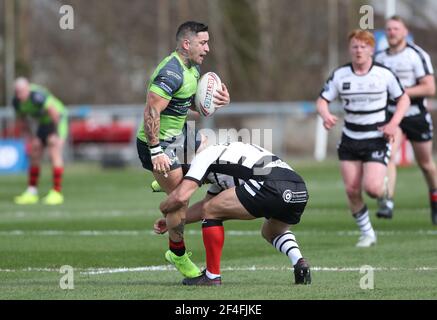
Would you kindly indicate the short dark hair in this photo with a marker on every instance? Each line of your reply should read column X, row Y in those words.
column 398, row 19
column 192, row 27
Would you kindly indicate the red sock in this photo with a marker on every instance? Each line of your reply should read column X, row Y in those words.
column 433, row 195
column 57, row 178
column 178, row 248
column 213, row 240
column 33, row 176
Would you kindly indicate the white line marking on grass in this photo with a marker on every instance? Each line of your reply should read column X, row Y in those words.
column 99, row 271
column 68, row 213
column 95, row 233
column 251, row 268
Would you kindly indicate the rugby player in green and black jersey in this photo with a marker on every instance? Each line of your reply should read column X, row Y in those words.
column 43, row 119
column 162, row 137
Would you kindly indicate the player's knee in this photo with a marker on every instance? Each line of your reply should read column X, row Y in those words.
column 36, row 152
column 273, row 228
column 353, row 191
column 36, row 144
column 265, row 234
column 53, row 141
column 374, row 190
column 268, row 235
column 428, row 165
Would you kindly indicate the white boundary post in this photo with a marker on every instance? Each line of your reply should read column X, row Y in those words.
column 321, row 140
column 390, row 8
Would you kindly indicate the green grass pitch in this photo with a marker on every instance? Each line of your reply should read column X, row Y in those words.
column 104, row 231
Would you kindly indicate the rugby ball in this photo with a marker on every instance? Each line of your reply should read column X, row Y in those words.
column 206, row 88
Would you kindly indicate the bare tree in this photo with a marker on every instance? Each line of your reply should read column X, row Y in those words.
column 163, row 18
column 265, row 49
column 218, row 44
column 273, row 50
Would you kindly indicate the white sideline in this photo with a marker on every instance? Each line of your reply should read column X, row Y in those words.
column 98, row 271
column 252, row 268
column 93, row 233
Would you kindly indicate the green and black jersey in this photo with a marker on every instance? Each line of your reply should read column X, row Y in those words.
column 174, row 81
column 36, row 106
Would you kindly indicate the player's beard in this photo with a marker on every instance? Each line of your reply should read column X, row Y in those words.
column 396, row 44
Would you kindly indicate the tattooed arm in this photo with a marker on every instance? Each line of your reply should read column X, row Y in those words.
column 179, row 197
column 152, row 114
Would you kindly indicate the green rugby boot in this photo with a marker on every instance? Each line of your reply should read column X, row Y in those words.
column 183, row 264
column 53, row 198
column 156, row 187
column 26, row 198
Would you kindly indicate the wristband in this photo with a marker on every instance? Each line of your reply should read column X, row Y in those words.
column 155, row 150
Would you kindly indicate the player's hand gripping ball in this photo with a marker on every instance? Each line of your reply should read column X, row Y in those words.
column 206, row 89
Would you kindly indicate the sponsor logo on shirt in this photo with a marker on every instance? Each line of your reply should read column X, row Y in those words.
column 165, row 87
column 294, row 197
column 346, row 85
column 173, row 74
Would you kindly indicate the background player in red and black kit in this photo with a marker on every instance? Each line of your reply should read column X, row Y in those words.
column 43, row 120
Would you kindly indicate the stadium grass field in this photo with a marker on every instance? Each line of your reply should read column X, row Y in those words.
column 104, row 231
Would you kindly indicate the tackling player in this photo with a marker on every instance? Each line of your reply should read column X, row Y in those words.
column 43, row 119
column 161, row 138
column 248, row 182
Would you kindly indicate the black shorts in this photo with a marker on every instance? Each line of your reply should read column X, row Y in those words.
column 366, row 150
column 417, row 128
column 43, row 132
column 177, row 149
column 282, row 200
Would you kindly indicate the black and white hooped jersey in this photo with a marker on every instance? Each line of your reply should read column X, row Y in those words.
column 235, row 163
column 364, row 98
column 409, row 66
